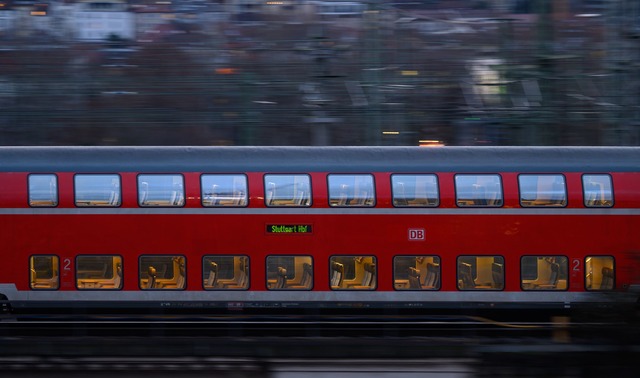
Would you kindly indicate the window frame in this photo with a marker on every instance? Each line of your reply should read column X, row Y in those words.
column 565, row 191
column 55, row 264
column 611, row 190
column 355, row 176
column 266, row 185
column 586, row 273
column 374, row 279
column 116, row 192
column 416, row 257
column 120, row 262
column 415, row 177
column 479, row 287
column 457, row 187
column 247, row 273
column 559, row 278
column 30, row 186
column 294, row 287
column 172, row 257
column 160, row 202
column 244, row 200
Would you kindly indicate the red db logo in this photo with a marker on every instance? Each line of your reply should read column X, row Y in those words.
column 416, row 234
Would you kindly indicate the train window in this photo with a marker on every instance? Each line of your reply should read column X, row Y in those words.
column 351, row 190
column 478, row 190
column 480, row 272
column 289, row 272
column 415, row 190
column 162, row 272
column 542, row 190
column 353, row 272
column 225, row 272
column 598, row 190
column 160, row 190
column 99, row 272
column 97, row 190
column 224, row 190
column 287, row 190
column 44, row 272
column 416, row 272
column 599, row 273
column 544, row 272
column 43, row 190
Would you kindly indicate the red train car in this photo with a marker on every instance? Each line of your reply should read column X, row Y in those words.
column 352, row 227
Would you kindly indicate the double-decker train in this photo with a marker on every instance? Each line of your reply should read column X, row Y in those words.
column 231, row 228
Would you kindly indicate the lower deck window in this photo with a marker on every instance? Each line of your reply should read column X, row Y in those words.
column 289, row 272
column 599, row 273
column 353, row 272
column 44, row 272
column 99, row 272
column 162, row 272
column 480, row 273
column 416, row 272
column 225, row 272
column 544, row 272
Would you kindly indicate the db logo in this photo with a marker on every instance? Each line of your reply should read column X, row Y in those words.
column 416, row 234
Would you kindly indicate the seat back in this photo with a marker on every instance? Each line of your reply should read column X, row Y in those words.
column 281, row 282
column 369, row 274
column 432, row 278
column 497, row 273
column 212, row 279
column 307, row 275
column 466, row 276
column 555, row 273
column 607, row 279
column 337, row 274
column 152, row 274
column 414, row 278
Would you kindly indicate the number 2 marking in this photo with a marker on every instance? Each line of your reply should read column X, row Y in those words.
column 576, row 265
column 67, row 264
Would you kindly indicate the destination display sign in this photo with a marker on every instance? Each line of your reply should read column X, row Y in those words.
column 288, row 228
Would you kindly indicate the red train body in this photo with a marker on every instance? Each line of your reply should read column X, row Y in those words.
column 319, row 227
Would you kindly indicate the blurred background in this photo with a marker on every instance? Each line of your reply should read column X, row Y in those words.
column 305, row 72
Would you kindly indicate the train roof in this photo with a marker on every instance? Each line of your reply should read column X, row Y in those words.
column 319, row 159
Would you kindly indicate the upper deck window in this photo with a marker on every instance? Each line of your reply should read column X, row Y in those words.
column 160, row 190
column 598, row 190
column 478, row 190
column 542, row 190
column 287, row 190
column 97, row 190
column 351, row 190
column 224, row 190
column 43, row 190
column 415, row 190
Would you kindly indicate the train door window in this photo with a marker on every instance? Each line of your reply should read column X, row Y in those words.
column 44, row 272
column 97, row 190
column 478, row 190
column 599, row 273
column 162, row 272
column 598, row 190
column 287, row 190
column 99, row 272
column 480, row 272
column 160, row 190
column 353, row 272
column 544, row 272
column 224, row 190
column 542, row 190
column 43, row 190
column 415, row 190
column 416, row 272
column 351, row 190
column 289, row 272
column 225, row 272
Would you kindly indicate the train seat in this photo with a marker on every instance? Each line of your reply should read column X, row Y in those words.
column 497, row 273
column 432, row 278
column 553, row 278
column 281, row 282
column 368, row 278
column 337, row 275
column 607, row 279
column 212, row 279
column 153, row 275
column 414, row 278
column 307, row 278
column 466, row 277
